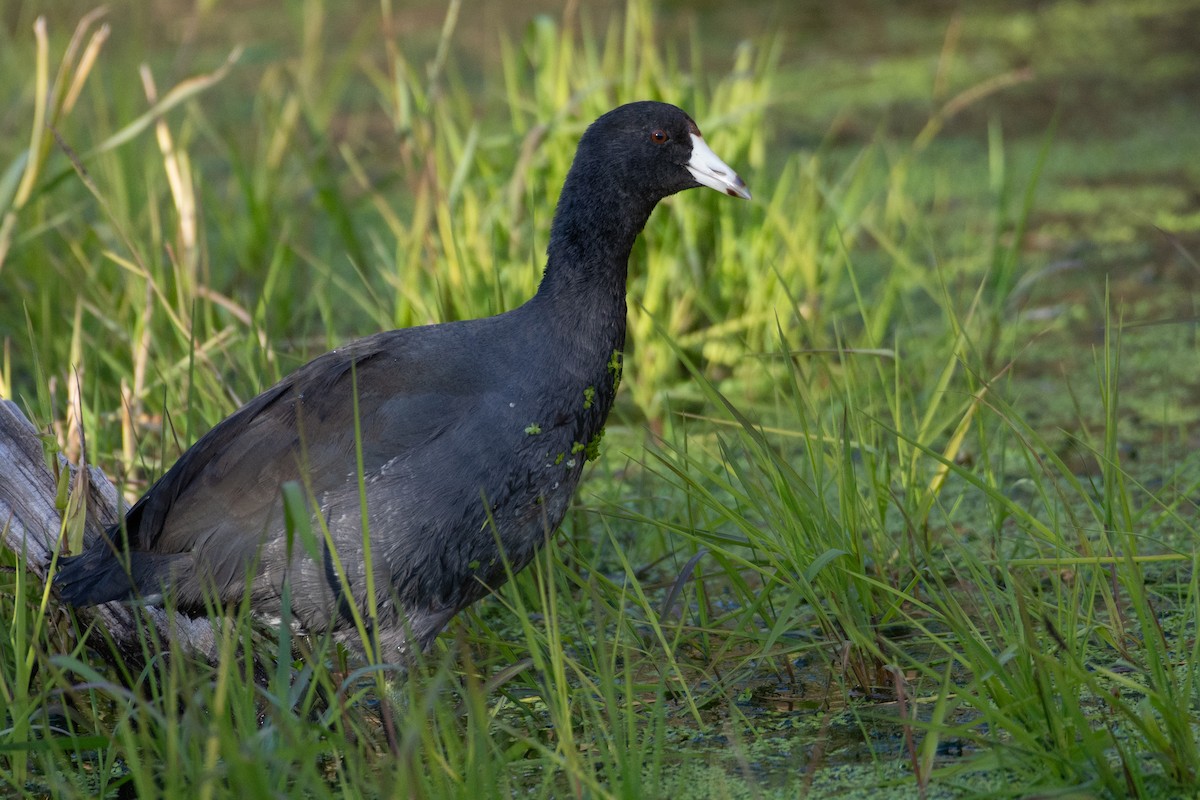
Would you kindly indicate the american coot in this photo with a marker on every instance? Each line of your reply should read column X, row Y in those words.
column 473, row 433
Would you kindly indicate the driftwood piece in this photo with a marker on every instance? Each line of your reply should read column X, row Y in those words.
column 30, row 524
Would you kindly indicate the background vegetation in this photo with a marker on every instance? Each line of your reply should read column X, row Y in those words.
column 900, row 492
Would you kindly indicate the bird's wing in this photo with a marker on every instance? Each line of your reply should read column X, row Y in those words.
column 302, row 429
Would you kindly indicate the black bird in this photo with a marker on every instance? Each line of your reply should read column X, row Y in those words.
column 473, row 434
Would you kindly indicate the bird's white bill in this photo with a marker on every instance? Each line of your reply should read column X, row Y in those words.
column 711, row 171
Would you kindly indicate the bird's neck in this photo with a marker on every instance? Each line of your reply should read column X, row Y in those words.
column 594, row 228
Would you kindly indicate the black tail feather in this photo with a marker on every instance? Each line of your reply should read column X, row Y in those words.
column 97, row 575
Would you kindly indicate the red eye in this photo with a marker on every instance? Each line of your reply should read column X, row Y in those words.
column 660, row 137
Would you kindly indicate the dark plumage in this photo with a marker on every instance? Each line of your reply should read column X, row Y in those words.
column 502, row 408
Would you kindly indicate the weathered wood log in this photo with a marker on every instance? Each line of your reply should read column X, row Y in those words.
column 30, row 524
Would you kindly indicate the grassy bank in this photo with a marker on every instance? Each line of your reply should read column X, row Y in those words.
column 900, row 491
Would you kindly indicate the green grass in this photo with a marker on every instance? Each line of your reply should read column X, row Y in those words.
column 897, row 497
